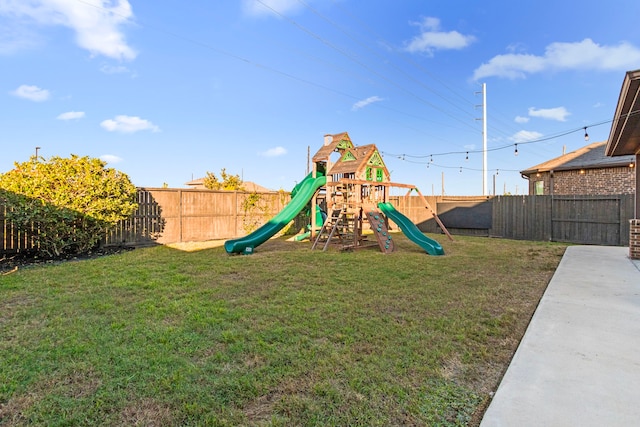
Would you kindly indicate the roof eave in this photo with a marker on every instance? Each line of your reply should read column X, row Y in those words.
column 624, row 137
column 620, row 164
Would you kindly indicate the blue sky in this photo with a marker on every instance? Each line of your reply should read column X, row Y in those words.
column 166, row 91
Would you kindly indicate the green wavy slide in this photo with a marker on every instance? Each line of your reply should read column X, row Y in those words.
column 301, row 195
column 411, row 230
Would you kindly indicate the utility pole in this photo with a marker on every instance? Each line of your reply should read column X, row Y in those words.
column 484, row 138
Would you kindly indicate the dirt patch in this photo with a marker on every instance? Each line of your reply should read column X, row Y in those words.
column 195, row 246
column 147, row 412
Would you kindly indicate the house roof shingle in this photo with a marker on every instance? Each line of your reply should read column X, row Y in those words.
column 588, row 157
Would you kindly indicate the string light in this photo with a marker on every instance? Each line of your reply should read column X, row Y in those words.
column 534, row 141
column 466, row 159
column 586, row 135
column 515, row 153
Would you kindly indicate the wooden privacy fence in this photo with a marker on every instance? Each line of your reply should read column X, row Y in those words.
column 182, row 215
column 12, row 240
column 593, row 220
column 597, row 220
column 175, row 215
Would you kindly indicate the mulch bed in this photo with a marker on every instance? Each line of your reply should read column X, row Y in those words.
column 10, row 263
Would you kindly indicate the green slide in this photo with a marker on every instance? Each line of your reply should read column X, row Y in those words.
column 320, row 218
column 411, row 230
column 302, row 193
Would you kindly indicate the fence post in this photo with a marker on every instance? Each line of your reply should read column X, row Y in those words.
column 180, row 207
column 235, row 214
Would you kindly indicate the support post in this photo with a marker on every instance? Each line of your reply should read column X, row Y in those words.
column 435, row 216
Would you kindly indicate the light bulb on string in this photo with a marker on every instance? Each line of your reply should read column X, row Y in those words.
column 466, row 159
column 586, row 135
column 515, row 153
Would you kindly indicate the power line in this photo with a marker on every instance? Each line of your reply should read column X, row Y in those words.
column 391, row 64
column 355, row 18
column 274, row 70
column 362, row 64
column 466, row 102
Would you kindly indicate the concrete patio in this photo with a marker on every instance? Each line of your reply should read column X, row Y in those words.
column 578, row 363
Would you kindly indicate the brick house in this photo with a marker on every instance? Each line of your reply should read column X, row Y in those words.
column 624, row 140
column 586, row 171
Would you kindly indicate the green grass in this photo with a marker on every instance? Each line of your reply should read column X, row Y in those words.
column 287, row 336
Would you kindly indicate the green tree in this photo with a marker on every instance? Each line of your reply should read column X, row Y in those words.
column 225, row 182
column 66, row 204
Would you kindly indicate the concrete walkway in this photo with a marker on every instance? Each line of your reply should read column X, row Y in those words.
column 579, row 361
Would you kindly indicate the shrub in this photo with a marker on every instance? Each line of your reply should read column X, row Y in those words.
column 66, row 204
column 226, row 181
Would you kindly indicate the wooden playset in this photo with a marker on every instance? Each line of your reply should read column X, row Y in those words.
column 357, row 185
column 353, row 184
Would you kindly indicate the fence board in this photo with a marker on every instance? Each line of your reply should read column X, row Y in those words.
column 178, row 215
column 588, row 220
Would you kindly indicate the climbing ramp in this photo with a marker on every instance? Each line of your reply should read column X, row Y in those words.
column 379, row 228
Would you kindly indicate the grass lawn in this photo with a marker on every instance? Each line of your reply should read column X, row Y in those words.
column 284, row 337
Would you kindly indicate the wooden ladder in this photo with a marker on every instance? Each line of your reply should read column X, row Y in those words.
column 329, row 228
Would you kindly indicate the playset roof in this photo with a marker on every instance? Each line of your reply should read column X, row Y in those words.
column 336, row 142
column 353, row 159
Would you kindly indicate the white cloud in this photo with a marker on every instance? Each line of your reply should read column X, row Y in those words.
column 526, row 136
column 511, row 66
column 71, row 115
column 431, row 38
column 32, row 93
column 263, row 7
column 559, row 113
column 274, row 152
column 110, row 158
column 114, row 69
column 128, row 124
column 363, row 103
column 583, row 55
column 520, row 119
column 97, row 25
